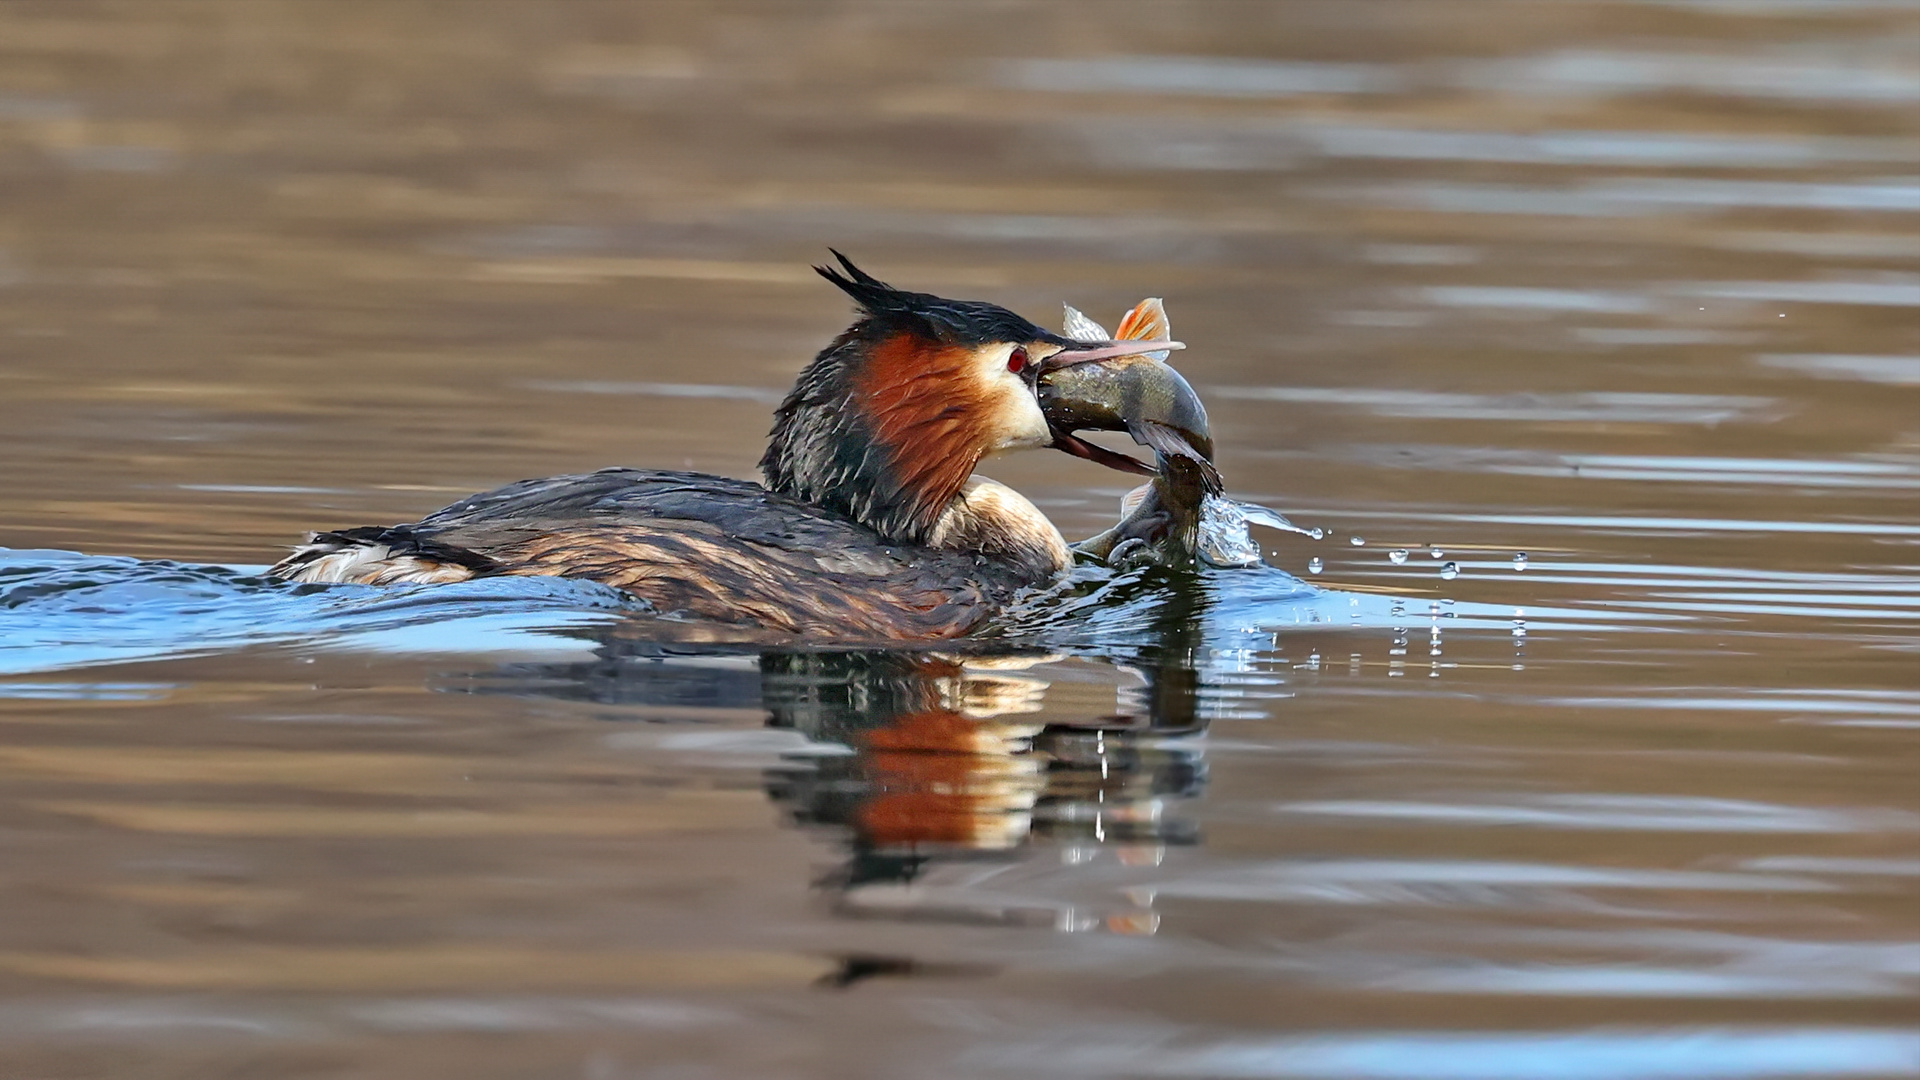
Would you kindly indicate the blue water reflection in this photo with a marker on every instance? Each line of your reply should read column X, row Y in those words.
column 1730, row 1053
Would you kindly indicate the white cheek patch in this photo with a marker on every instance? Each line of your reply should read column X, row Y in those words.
column 1016, row 422
column 1030, row 428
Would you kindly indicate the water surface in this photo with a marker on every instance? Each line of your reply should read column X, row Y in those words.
column 1629, row 288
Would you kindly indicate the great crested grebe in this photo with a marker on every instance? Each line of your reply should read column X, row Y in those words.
column 871, row 524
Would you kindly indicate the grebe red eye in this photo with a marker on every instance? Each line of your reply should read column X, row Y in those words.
column 1017, row 362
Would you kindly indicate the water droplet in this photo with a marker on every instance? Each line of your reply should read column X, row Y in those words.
column 1449, row 571
column 1317, row 533
column 1435, row 553
column 1519, row 560
column 1314, row 565
column 1397, row 556
column 1357, row 541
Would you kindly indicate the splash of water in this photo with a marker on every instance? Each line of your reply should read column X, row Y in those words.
column 1226, row 535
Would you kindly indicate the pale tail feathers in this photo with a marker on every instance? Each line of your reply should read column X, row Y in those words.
column 375, row 557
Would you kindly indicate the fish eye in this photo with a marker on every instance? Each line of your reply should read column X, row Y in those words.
column 1017, row 360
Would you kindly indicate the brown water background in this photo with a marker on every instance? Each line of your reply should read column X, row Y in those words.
column 1632, row 287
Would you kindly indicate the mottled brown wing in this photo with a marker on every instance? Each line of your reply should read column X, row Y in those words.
column 722, row 549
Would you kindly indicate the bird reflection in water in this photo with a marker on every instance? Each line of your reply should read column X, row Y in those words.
column 953, row 769
column 944, row 774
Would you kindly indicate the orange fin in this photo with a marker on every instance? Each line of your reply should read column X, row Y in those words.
column 1147, row 321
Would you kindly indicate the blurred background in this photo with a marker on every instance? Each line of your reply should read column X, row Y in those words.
column 1631, row 286
column 276, row 266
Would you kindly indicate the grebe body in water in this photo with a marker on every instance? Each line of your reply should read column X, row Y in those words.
column 871, row 524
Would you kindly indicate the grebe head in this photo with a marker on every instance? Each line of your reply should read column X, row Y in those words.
column 888, row 421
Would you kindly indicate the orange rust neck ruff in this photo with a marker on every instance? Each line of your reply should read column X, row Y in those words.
column 886, row 425
column 878, row 430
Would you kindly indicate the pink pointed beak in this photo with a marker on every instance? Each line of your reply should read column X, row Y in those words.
column 1084, row 352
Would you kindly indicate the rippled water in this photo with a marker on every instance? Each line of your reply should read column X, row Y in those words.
column 1587, row 330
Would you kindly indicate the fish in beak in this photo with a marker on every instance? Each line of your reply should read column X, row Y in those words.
column 1181, row 518
column 1124, row 384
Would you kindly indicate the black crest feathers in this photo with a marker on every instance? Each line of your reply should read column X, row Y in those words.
column 960, row 322
column 874, row 296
